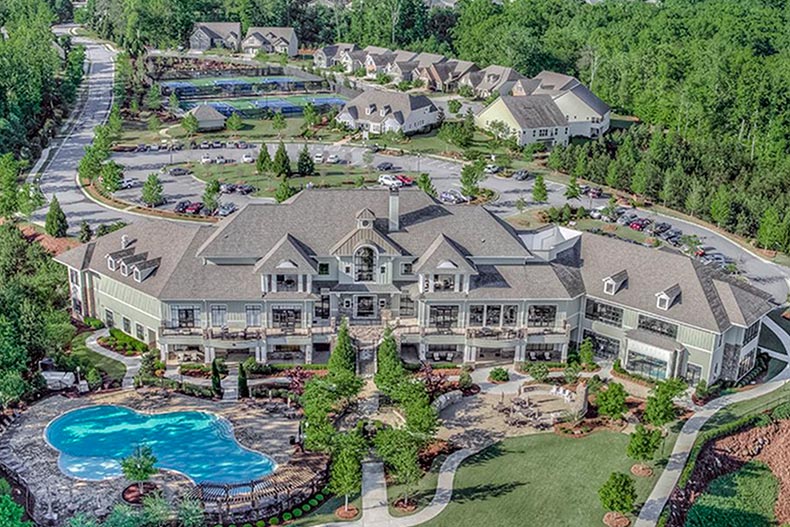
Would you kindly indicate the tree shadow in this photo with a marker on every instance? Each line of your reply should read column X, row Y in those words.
column 485, row 491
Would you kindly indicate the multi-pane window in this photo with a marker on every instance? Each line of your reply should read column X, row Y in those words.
column 139, row 332
column 443, row 316
column 74, row 277
column 219, row 316
column 655, row 325
column 604, row 347
column 286, row 282
column 407, row 269
column 751, row 332
column 746, row 363
column 493, row 315
column 127, row 326
column 604, row 313
column 76, row 305
column 443, row 282
column 187, row 317
column 321, row 307
column 286, row 317
column 647, row 366
column 542, row 316
column 109, row 319
column 364, row 265
column 406, row 306
column 509, row 315
column 323, row 269
column 476, row 315
column 253, row 316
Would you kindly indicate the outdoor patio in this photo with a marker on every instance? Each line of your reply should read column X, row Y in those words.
column 25, row 453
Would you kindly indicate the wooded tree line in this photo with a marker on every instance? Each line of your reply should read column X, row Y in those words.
column 37, row 84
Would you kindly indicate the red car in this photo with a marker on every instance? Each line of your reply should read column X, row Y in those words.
column 194, row 208
column 406, row 180
column 639, row 224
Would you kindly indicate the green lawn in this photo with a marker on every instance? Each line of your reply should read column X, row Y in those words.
column 758, row 404
column 328, row 176
column 326, row 512
column 113, row 368
column 543, row 479
column 744, row 497
column 426, row 489
column 619, row 230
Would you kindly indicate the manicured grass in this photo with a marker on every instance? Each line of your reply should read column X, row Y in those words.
column 738, row 410
column 113, row 368
column 769, row 340
column 543, row 479
column 327, row 176
column 620, row 231
column 744, row 497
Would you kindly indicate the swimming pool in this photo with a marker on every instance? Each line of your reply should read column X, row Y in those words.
column 92, row 442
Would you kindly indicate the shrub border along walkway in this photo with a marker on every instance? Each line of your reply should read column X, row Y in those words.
column 132, row 363
column 653, row 507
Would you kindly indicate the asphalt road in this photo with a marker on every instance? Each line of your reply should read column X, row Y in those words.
column 60, row 177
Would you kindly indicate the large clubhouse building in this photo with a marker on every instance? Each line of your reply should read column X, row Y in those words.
column 454, row 282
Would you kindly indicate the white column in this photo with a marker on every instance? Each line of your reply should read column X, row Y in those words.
column 274, row 284
column 521, row 352
column 564, row 351
column 209, row 354
column 470, row 353
column 309, row 287
column 457, row 283
column 308, row 353
column 423, row 353
column 163, row 352
column 300, row 283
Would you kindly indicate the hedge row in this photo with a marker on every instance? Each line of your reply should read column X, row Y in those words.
column 185, row 388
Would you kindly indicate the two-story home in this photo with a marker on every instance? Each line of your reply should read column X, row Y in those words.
column 271, row 40
column 378, row 111
column 491, row 80
column 268, row 284
column 328, row 56
column 532, row 119
column 444, row 76
column 207, row 35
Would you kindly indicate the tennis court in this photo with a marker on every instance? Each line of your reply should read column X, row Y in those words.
column 239, row 86
column 258, row 107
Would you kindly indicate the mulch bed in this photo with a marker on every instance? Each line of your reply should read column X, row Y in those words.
column 616, row 519
column 131, row 494
column 768, row 444
column 405, row 506
column 349, row 514
column 433, row 450
column 52, row 245
column 588, row 426
column 641, row 471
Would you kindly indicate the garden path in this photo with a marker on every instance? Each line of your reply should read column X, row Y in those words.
column 132, row 363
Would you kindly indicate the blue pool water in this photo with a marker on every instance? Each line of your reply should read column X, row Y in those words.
column 92, row 441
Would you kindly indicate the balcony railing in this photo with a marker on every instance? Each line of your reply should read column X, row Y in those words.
column 170, row 329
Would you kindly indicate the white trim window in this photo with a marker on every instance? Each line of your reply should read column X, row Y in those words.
column 253, row 315
column 219, row 315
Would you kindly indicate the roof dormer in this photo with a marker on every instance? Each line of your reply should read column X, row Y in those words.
column 370, row 109
column 365, row 219
column 666, row 298
column 385, row 110
column 612, row 284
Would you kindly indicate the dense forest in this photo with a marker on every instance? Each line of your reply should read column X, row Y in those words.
column 39, row 79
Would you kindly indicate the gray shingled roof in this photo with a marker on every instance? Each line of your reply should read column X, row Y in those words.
column 284, row 33
column 206, row 112
column 400, row 105
column 441, row 253
column 653, row 339
column 534, row 111
column 287, row 256
column 220, row 29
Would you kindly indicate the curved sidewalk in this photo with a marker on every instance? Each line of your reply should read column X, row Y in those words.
column 132, row 363
column 651, row 511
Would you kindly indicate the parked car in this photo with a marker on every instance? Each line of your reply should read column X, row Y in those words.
column 242, row 144
column 406, row 180
column 179, row 171
column 388, row 180
column 374, row 148
column 584, row 189
column 626, row 218
column 205, row 160
column 142, row 148
column 453, row 196
column 128, row 183
column 181, row 206
column 596, row 192
column 597, row 212
column 220, row 160
column 639, row 224
column 153, row 148
column 491, row 169
column 674, row 241
column 205, row 145
column 245, row 189
column 124, row 148
column 247, row 158
column 194, row 208
column 658, row 228
column 217, row 144
column 227, row 188
column 385, row 166
column 333, row 159
column 521, row 174
column 671, row 233
column 318, row 157
column 226, row 209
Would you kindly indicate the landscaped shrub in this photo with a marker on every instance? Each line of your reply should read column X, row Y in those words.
column 297, row 513
column 195, row 369
column 319, row 497
column 274, row 521
column 465, row 381
column 247, row 525
column 5, row 487
column 306, row 508
column 120, row 342
column 313, row 502
column 781, row 412
column 93, row 323
column 287, row 516
column 260, row 523
column 499, row 375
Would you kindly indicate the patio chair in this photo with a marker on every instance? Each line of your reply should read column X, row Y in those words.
column 533, row 355
column 450, row 357
column 547, row 356
column 437, row 357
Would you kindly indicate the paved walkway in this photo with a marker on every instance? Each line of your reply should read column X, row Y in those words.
column 666, row 483
column 132, row 363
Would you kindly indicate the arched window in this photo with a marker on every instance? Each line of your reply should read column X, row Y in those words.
column 364, row 264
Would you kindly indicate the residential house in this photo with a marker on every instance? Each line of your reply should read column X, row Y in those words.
column 265, row 283
column 271, row 40
column 444, row 76
column 587, row 115
column 208, row 117
column 207, row 35
column 531, row 119
column 491, row 80
column 379, row 111
column 328, row 56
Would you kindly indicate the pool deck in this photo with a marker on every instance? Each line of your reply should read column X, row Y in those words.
column 25, row 452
